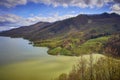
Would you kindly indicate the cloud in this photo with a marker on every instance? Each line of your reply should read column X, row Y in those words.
column 12, row 3
column 51, row 18
column 55, row 3
column 3, row 28
column 10, row 18
column 78, row 3
column 116, row 8
column 9, row 21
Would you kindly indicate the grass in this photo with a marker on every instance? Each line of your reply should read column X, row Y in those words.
column 40, row 69
column 92, row 45
column 72, row 46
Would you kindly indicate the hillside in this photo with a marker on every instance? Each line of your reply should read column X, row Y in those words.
column 88, row 24
column 25, row 31
column 82, row 34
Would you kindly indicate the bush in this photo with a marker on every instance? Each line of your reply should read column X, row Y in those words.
column 66, row 52
column 112, row 47
column 105, row 68
column 55, row 51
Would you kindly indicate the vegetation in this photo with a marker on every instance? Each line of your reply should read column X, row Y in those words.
column 74, row 46
column 112, row 47
column 74, row 36
column 84, row 34
column 106, row 68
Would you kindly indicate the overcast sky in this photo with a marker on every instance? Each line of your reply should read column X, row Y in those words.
column 15, row 13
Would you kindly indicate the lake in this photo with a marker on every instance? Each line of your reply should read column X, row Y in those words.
column 18, row 49
column 19, row 60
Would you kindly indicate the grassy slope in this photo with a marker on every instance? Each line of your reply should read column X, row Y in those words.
column 93, row 45
column 73, row 46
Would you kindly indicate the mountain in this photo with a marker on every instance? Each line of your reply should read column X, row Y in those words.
column 88, row 24
column 82, row 34
column 25, row 31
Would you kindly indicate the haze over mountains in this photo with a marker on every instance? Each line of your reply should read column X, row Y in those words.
column 86, row 24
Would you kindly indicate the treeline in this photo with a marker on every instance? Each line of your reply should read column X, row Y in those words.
column 93, row 34
column 112, row 47
column 105, row 68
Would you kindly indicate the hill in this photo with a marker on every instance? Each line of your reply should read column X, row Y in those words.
column 88, row 24
column 71, row 36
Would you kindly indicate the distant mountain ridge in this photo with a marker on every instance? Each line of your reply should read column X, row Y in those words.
column 87, row 24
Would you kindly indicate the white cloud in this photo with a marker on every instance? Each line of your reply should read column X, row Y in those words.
column 3, row 28
column 52, row 18
column 12, row 3
column 9, row 21
column 116, row 8
column 55, row 3
column 10, row 18
column 78, row 3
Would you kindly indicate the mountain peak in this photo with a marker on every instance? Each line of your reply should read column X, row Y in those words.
column 105, row 13
column 102, row 23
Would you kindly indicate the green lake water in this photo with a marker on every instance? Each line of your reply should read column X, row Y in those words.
column 19, row 60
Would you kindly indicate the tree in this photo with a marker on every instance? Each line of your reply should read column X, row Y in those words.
column 113, row 46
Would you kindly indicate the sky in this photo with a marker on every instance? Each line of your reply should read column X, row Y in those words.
column 16, row 13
